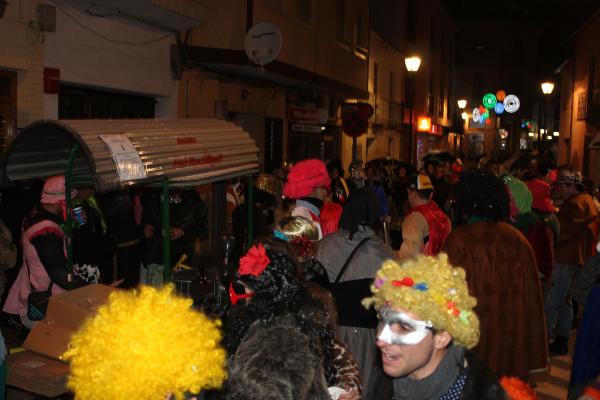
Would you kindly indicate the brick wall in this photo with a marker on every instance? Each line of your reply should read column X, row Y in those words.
column 21, row 50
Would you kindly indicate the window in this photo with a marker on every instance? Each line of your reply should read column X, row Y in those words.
column 361, row 33
column 340, row 16
column 392, row 83
column 411, row 21
column 375, row 78
column 84, row 103
column 582, row 105
column 304, row 11
column 432, row 37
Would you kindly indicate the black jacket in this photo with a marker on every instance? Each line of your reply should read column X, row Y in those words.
column 481, row 383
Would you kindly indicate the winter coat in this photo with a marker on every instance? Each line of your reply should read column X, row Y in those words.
column 577, row 230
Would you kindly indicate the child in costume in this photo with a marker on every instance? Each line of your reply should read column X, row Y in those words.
column 146, row 344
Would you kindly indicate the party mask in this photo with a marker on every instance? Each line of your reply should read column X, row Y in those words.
column 396, row 327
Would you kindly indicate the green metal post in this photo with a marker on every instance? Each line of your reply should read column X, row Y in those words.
column 166, row 229
column 69, row 207
column 250, row 205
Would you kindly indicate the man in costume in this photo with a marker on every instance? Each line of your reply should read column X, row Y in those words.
column 502, row 274
column 308, row 183
column 425, row 226
column 44, row 254
column 426, row 327
column 574, row 245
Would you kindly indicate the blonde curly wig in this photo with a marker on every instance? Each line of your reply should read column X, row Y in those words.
column 145, row 344
column 432, row 289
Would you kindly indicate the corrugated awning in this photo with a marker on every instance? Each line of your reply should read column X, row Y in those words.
column 120, row 153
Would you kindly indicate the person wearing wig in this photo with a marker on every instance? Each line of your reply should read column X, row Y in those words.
column 502, row 274
column 145, row 344
column 308, row 184
column 361, row 251
column 427, row 328
column 267, row 294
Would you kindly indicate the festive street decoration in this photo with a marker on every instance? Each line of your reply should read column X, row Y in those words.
column 489, row 100
column 499, row 108
column 500, row 95
column 511, row 103
column 476, row 115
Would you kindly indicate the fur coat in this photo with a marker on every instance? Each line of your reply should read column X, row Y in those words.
column 502, row 275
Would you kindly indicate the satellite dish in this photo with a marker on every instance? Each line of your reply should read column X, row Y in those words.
column 263, row 43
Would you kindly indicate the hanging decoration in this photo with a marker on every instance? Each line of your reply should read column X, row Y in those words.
column 476, row 115
column 500, row 95
column 511, row 103
column 499, row 108
column 489, row 100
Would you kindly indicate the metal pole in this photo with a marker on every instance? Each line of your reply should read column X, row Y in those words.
column 69, row 207
column 412, row 154
column 250, row 205
column 354, row 155
column 165, row 229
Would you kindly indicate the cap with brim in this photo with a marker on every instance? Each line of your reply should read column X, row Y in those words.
column 420, row 182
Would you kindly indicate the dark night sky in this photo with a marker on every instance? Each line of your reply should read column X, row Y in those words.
column 559, row 19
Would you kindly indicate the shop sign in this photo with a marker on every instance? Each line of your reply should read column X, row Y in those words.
column 306, row 128
column 305, row 115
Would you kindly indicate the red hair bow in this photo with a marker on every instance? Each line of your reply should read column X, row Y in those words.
column 254, row 262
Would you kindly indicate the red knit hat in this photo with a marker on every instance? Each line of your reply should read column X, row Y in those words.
column 304, row 177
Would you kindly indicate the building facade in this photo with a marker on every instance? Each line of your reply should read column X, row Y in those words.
column 290, row 106
column 579, row 140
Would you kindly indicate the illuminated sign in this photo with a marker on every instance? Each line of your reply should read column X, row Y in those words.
column 511, row 103
column 424, row 124
column 489, row 100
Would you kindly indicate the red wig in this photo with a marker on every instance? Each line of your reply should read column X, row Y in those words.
column 304, row 177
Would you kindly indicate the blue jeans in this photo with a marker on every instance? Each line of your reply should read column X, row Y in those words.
column 558, row 307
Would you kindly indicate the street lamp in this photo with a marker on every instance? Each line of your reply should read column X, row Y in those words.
column 462, row 103
column 547, row 88
column 412, row 66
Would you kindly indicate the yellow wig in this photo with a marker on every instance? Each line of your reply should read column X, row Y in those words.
column 433, row 290
column 144, row 345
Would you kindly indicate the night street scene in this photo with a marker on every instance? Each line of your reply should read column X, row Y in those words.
column 299, row 199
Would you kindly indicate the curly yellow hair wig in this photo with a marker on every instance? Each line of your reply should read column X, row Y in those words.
column 144, row 345
column 432, row 289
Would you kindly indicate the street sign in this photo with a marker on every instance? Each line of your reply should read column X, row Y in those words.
column 355, row 118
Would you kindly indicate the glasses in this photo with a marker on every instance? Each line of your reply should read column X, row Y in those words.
column 234, row 297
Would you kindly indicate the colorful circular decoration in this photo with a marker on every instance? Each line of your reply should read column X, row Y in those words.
column 489, row 100
column 511, row 103
column 481, row 110
column 476, row 115
column 486, row 114
column 500, row 95
column 499, row 108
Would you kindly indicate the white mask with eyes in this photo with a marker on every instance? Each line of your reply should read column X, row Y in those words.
column 414, row 331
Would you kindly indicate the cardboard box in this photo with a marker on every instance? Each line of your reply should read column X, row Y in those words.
column 66, row 312
column 36, row 373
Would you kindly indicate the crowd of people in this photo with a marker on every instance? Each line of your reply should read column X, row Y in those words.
column 389, row 282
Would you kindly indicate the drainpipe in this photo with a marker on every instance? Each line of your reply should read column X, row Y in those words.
column 572, row 106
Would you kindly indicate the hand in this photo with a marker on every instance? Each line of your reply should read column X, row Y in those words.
column 176, row 233
column 351, row 395
column 148, row 231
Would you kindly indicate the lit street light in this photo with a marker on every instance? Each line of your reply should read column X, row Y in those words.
column 547, row 88
column 462, row 103
column 412, row 66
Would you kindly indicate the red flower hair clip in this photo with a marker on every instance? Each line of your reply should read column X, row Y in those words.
column 303, row 246
column 254, row 262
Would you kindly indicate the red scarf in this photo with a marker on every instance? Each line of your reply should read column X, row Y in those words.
column 439, row 226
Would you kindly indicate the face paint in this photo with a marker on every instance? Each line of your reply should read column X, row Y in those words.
column 398, row 328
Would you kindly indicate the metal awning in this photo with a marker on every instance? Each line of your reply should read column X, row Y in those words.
column 119, row 153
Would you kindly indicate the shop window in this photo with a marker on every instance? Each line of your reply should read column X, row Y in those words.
column 84, row 103
column 361, row 37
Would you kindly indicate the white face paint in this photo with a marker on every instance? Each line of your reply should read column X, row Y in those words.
column 398, row 328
